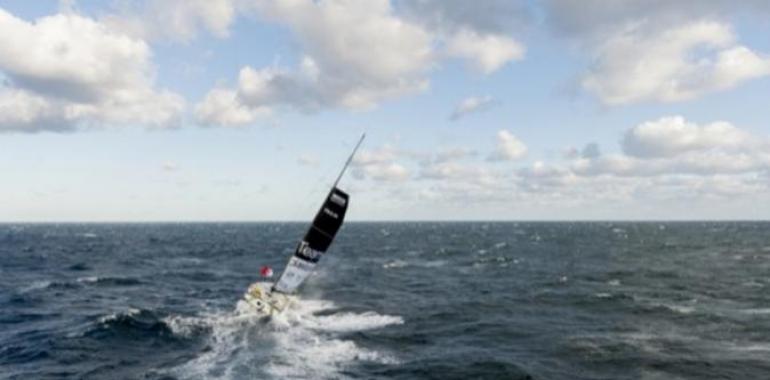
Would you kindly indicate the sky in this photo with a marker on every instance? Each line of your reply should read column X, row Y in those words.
column 245, row 110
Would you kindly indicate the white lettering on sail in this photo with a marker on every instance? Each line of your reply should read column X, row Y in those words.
column 331, row 213
column 310, row 253
column 338, row 200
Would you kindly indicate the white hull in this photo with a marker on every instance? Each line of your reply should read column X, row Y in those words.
column 265, row 302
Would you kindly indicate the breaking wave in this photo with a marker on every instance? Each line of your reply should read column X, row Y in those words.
column 307, row 341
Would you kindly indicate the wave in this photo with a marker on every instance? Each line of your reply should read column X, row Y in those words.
column 109, row 281
column 755, row 311
column 395, row 264
column 312, row 348
column 39, row 285
column 306, row 341
column 36, row 285
column 131, row 323
column 348, row 322
column 758, row 347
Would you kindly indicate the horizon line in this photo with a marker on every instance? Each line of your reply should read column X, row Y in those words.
column 386, row 221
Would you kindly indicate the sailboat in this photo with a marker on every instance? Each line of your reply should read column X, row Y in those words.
column 273, row 298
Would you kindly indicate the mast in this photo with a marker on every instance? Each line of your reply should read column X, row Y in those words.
column 339, row 177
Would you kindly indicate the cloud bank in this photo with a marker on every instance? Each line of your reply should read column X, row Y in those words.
column 66, row 72
column 355, row 56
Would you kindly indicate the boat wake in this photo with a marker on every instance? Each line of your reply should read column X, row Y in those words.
column 308, row 340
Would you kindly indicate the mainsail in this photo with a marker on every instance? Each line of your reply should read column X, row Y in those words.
column 318, row 238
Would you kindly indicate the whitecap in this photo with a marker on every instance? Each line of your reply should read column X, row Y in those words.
column 304, row 341
column 131, row 312
column 680, row 309
column 346, row 322
column 757, row 311
column 36, row 285
column 395, row 264
column 752, row 347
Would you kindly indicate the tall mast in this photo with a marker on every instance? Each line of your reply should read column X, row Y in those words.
column 339, row 177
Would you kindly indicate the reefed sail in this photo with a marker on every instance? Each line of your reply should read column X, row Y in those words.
column 318, row 238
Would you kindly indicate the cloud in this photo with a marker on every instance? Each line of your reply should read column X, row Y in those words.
column 491, row 16
column 705, row 164
column 175, row 20
column 590, row 19
column 508, row 147
column 452, row 170
column 712, row 166
column 380, row 165
column 22, row 110
column 356, row 55
column 453, row 154
column 487, row 53
column 391, row 172
column 673, row 135
column 658, row 50
column 224, row 107
column 675, row 64
column 472, row 104
column 543, row 177
column 672, row 145
column 682, row 162
column 477, row 33
column 381, row 155
column 67, row 72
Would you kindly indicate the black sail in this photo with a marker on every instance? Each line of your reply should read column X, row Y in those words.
column 327, row 222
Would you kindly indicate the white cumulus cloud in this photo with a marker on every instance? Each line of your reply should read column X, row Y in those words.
column 175, row 20
column 380, row 164
column 684, row 62
column 479, row 33
column 224, row 107
column 673, row 135
column 68, row 71
column 356, row 54
column 486, row 52
column 672, row 145
column 508, row 147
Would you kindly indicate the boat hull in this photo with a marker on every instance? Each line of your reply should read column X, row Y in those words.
column 264, row 301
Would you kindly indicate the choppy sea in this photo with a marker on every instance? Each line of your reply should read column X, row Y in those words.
column 603, row 300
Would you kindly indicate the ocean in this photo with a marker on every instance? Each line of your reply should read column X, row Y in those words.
column 475, row 300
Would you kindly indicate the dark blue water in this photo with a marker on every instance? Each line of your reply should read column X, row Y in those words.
column 391, row 300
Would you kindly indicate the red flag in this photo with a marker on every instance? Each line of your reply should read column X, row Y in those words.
column 266, row 271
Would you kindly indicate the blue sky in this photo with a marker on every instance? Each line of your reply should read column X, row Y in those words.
column 238, row 110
